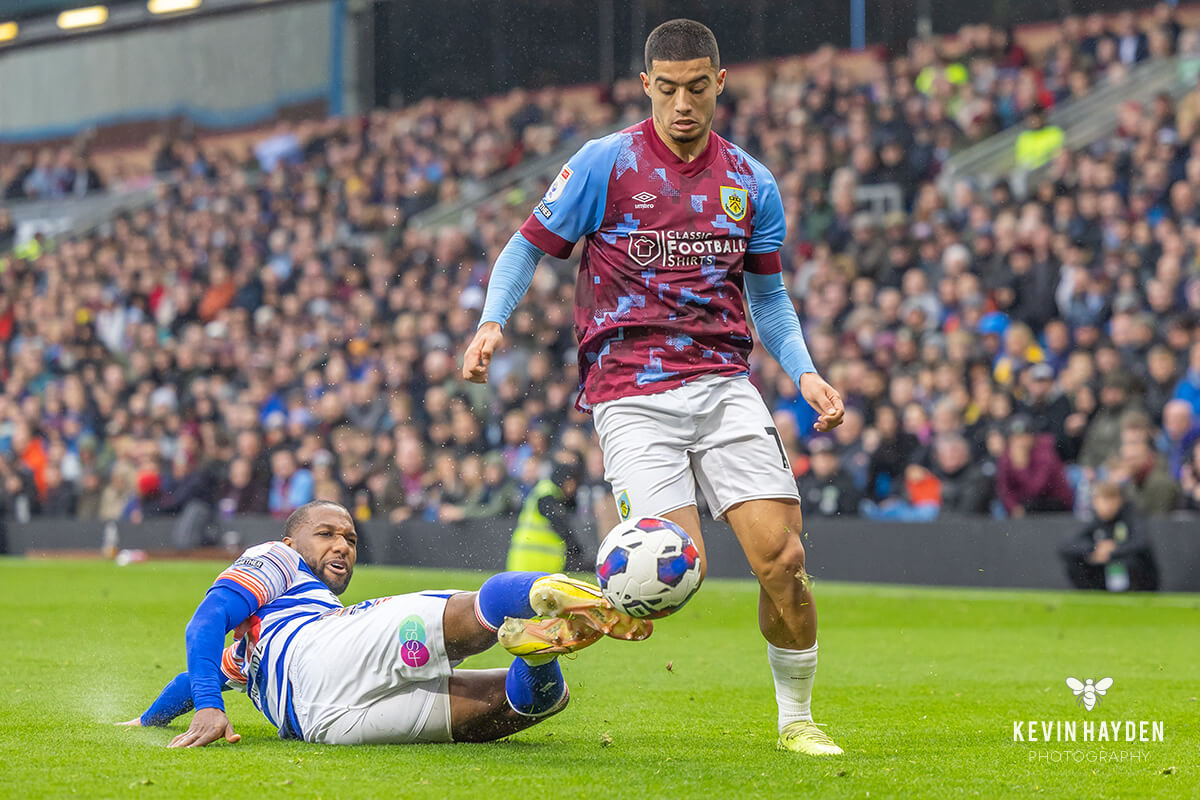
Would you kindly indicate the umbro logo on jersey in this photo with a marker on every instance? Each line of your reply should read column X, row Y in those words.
column 645, row 200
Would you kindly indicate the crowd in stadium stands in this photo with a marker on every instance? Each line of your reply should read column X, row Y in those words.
column 48, row 175
column 270, row 331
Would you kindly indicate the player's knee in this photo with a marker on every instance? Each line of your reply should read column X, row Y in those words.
column 783, row 562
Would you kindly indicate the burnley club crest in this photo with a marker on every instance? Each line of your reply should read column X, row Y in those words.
column 733, row 200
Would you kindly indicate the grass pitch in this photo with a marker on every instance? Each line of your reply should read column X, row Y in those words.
column 920, row 686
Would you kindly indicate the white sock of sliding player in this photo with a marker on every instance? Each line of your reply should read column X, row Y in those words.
column 793, row 671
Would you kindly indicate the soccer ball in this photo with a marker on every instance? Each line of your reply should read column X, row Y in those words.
column 648, row 567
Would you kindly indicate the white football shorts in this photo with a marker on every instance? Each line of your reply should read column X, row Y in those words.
column 374, row 673
column 715, row 432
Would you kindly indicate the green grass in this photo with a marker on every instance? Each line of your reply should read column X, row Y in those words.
column 920, row 686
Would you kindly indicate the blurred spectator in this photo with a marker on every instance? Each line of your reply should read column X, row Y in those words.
column 1029, row 476
column 1179, row 433
column 1189, row 480
column 59, row 499
column 852, row 455
column 1039, row 143
column 827, row 489
column 1189, row 386
column 239, row 495
column 891, row 449
column 1161, row 378
column 966, row 486
column 1140, row 471
column 1113, row 552
column 291, row 487
column 1103, row 437
column 546, row 538
column 919, row 501
column 1047, row 408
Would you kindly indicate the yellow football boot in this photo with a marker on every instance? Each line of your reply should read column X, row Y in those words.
column 541, row 640
column 803, row 736
column 560, row 596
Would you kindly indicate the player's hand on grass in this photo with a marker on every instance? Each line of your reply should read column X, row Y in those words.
column 479, row 353
column 209, row 725
column 136, row 722
column 824, row 399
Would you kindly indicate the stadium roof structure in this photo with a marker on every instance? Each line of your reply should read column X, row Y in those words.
column 26, row 23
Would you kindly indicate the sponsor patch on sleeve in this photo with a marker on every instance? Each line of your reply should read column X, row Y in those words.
column 544, row 210
column 559, row 184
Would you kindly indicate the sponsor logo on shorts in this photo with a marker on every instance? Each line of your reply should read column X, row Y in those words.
column 413, row 651
column 624, row 507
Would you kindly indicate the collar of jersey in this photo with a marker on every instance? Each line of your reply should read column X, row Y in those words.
column 668, row 157
column 304, row 567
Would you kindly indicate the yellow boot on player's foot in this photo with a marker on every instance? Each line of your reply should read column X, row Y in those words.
column 560, row 596
column 803, row 736
column 541, row 640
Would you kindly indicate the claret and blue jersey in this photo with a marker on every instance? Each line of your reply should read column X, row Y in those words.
column 659, row 299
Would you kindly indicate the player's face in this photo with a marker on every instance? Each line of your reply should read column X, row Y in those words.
column 683, row 95
column 328, row 543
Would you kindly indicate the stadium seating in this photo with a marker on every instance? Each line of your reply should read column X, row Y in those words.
column 272, row 330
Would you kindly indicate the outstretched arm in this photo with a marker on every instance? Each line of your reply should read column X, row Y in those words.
column 220, row 612
column 779, row 330
column 511, row 276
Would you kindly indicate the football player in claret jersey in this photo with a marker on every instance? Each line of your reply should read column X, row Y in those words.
column 381, row 671
column 681, row 228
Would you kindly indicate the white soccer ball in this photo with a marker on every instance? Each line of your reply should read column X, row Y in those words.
column 648, row 567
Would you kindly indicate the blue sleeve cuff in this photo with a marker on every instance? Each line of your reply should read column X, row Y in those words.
column 510, row 279
column 776, row 323
column 173, row 700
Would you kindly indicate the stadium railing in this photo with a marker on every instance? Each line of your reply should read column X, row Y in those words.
column 76, row 215
column 1083, row 122
column 528, row 176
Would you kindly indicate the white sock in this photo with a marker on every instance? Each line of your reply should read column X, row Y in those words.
column 794, row 671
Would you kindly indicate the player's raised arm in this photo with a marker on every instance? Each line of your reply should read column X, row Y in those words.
column 572, row 207
column 772, row 311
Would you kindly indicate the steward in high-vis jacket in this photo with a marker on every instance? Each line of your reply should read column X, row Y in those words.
column 545, row 534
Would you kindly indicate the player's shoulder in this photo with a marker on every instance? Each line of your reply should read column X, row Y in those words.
column 604, row 150
column 276, row 553
column 746, row 163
